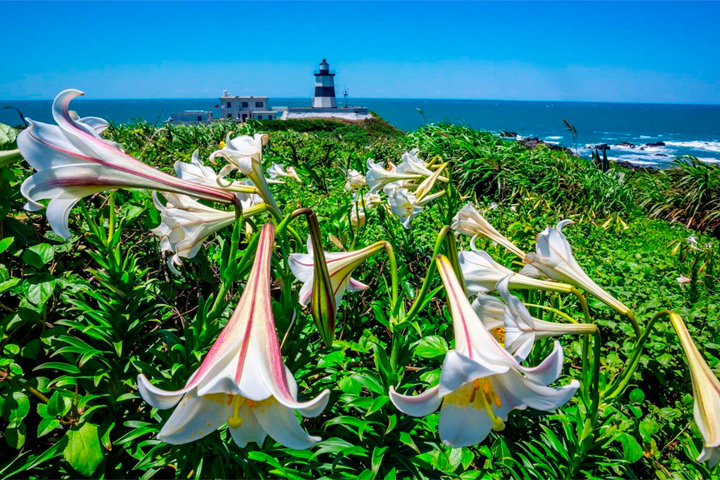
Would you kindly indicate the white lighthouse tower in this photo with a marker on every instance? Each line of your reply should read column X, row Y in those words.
column 324, row 87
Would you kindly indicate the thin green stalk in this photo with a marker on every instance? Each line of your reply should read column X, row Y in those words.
column 420, row 299
column 554, row 310
column 619, row 386
column 394, row 274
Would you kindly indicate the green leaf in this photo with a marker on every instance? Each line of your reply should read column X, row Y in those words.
column 431, row 346
column 637, row 395
column 47, row 425
column 15, row 435
column 83, row 451
column 5, row 243
column 39, row 289
column 16, row 407
column 11, row 350
column 38, row 255
column 8, row 136
column 59, row 405
column 632, row 451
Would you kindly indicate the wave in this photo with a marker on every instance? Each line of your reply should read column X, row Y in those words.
column 707, row 146
column 554, row 138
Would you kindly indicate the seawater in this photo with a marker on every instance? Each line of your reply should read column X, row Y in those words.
column 685, row 129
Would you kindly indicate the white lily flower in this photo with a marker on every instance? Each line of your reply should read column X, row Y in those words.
column 73, row 161
column 187, row 222
column 480, row 381
column 470, row 222
column 242, row 381
column 481, row 274
column 245, row 154
column 554, row 259
column 706, row 393
column 378, row 178
column 411, row 164
column 278, row 170
column 340, row 266
column 520, row 328
column 354, row 180
column 404, row 204
column 360, row 203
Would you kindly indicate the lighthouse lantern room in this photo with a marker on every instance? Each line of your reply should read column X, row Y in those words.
column 324, row 87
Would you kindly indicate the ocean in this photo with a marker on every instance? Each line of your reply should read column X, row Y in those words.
column 672, row 130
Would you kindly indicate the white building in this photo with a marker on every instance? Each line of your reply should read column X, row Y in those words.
column 191, row 116
column 324, row 87
column 242, row 109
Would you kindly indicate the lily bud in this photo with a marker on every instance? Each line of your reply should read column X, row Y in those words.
column 706, row 392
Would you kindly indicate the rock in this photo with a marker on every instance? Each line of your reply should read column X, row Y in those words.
column 534, row 142
column 656, row 144
column 626, row 144
column 505, row 134
column 601, row 146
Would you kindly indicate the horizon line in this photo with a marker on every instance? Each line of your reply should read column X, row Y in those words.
column 84, row 98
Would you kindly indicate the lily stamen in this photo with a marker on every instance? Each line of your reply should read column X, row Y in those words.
column 235, row 421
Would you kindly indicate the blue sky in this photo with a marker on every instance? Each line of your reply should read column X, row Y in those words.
column 586, row 51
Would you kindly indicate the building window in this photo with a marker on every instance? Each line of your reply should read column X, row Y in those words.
column 199, row 118
column 229, row 105
column 244, row 104
column 229, row 115
column 259, row 104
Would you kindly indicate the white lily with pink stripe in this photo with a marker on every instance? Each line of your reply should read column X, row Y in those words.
column 340, row 266
column 244, row 153
column 481, row 382
column 242, row 381
column 73, row 161
column 185, row 223
column 554, row 259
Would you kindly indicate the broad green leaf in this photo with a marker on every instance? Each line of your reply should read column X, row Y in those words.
column 39, row 289
column 8, row 136
column 38, row 255
column 59, row 405
column 83, row 451
column 431, row 346
column 16, row 407
column 5, row 243
column 632, row 451
column 15, row 435
column 47, row 425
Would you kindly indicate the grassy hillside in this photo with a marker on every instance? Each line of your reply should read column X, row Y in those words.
column 84, row 317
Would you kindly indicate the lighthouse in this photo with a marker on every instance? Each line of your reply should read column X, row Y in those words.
column 324, row 87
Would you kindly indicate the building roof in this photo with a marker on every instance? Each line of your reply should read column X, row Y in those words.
column 240, row 97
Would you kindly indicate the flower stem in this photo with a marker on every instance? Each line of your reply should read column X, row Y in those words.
column 616, row 389
column 420, row 299
column 394, row 274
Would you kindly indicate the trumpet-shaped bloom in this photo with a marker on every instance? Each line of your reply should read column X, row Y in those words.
column 278, row 170
column 470, row 222
column 706, row 393
column 411, row 164
column 554, row 259
column 340, row 266
column 73, row 161
column 481, row 274
column 354, row 180
column 404, row 204
column 242, row 381
column 480, row 381
column 187, row 222
column 521, row 328
column 378, row 178
column 245, row 154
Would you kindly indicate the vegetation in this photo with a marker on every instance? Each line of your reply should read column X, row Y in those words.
column 82, row 318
